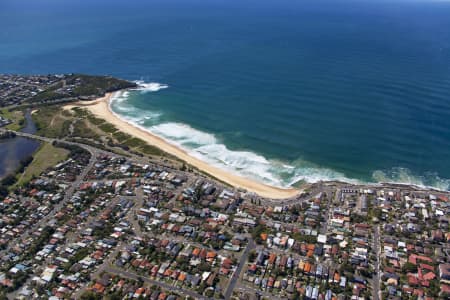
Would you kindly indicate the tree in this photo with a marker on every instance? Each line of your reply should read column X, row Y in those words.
column 256, row 233
column 209, row 293
column 3, row 191
column 252, row 256
column 89, row 295
column 204, row 267
column 8, row 180
column 346, row 267
column 198, row 193
column 114, row 296
column 409, row 268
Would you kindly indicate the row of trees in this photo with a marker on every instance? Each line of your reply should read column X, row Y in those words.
column 11, row 179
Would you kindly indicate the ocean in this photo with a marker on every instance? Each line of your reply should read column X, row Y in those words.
column 279, row 91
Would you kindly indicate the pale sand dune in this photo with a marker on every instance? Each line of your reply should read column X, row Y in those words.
column 100, row 108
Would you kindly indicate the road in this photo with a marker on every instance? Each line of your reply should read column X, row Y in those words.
column 160, row 163
column 252, row 290
column 108, row 261
column 68, row 195
column 377, row 276
column 157, row 163
column 94, row 153
column 329, row 213
column 237, row 273
column 168, row 287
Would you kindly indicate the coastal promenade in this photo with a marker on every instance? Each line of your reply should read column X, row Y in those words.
column 135, row 158
column 296, row 196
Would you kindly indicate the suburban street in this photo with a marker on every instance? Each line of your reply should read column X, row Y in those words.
column 237, row 273
column 376, row 293
column 169, row 287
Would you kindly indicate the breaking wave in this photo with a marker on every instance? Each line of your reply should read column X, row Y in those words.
column 124, row 109
column 405, row 176
column 209, row 148
column 149, row 87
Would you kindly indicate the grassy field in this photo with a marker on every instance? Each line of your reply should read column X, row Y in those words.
column 47, row 156
column 54, row 121
column 51, row 121
column 16, row 116
column 82, row 128
column 93, row 127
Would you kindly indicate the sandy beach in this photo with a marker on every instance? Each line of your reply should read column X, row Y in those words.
column 100, row 108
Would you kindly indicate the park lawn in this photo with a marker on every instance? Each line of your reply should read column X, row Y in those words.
column 47, row 156
column 52, row 121
column 16, row 116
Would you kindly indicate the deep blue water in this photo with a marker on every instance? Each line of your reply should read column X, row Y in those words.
column 276, row 90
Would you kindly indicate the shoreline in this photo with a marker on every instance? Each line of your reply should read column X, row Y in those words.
column 101, row 109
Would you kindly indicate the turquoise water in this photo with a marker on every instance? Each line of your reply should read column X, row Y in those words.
column 279, row 91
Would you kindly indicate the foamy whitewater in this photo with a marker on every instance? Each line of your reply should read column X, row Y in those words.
column 208, row 148
column 149, row 87
column 279, row 92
